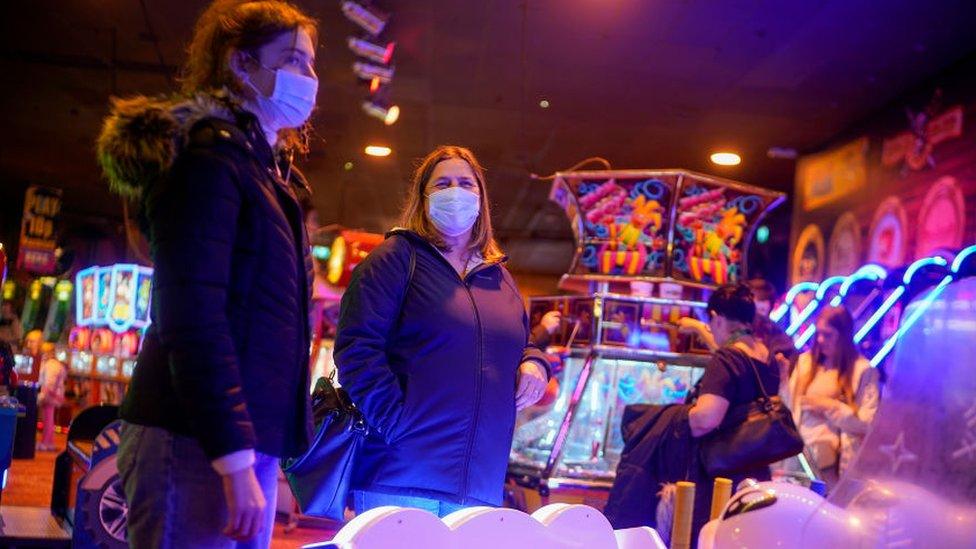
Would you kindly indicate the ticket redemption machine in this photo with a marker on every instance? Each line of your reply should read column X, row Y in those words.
column 650, row 247
column 111, row 315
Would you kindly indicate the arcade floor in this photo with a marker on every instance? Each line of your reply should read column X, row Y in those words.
column 29, row 485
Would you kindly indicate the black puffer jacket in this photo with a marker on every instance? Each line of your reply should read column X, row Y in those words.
column 226, row 358
column 435, row 379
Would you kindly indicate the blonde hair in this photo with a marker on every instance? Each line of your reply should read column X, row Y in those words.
column 416, row 218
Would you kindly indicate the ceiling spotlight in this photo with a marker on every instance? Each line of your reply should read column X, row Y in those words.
column 544, row 103
column 348, row 166
column 369, row 71
column 371, row 51
column 389, row 115
column 726, row 159
column 378, row 150
column 369, row 20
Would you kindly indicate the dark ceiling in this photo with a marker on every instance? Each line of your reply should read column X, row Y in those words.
column 643, row 83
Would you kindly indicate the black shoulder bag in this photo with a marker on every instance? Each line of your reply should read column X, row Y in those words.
column 752, row 435
column 320, row 478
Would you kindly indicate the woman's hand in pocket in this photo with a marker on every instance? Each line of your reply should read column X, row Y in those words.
column 531, row 384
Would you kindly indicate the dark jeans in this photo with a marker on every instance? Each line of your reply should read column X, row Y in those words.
column 364, row 501
column 175, row 498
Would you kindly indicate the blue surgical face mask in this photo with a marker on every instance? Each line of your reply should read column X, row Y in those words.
column 292, row 100
column 454, row 210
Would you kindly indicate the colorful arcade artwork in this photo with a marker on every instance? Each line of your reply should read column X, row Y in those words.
column 116, row 297
column 887, row 242
column 622, row 221
column 942, row 218
column 808, row 256
column 845, row 246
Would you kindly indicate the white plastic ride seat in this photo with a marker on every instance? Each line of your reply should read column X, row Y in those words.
column 557, row 526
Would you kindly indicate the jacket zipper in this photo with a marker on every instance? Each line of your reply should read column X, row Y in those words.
column 477, row 395
column 480, row 374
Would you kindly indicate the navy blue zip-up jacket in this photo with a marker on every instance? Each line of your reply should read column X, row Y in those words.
column 436, row 378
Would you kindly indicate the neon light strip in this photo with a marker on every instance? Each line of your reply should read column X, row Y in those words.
column 966, row 252
column 914, row 267
column 827, row 284
column 797, row 289
column 784, row 308
column 908, row 322
column 836, row 301
column 807, row 334
column 879, row 314
column 780, row 311
column 810, row 308
column 867, row 272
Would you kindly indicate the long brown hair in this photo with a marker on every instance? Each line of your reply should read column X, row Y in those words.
column 846, row 352
column 240, row 25
column 416, row 218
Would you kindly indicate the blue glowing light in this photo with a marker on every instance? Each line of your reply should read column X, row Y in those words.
column 807, row 334
column 957, row 263
column 827, row 284
column 810, row 308
column 780, row 311
column 867, row 272
column 879, row 314
column 914, row 267
column 922, row 306
column 799, row 288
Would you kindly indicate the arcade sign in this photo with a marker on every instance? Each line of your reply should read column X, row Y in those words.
column 117, row 297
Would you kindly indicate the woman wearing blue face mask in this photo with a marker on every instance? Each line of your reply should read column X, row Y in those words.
column 432, row 347
column 220, row 391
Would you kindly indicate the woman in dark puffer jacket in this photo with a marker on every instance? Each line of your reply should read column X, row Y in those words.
column 220, row 391
column 432, row 346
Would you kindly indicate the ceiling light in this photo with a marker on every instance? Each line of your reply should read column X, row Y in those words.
column 389, row 115
column 369, row 71
column 726, row 159
column 374, row 84
column 544, row 103
column 348, row 166
column 378, row 150
column 371, row 51
column 370, row 21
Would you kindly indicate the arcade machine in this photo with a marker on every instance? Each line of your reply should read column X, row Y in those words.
column 650, row 247
column 111, row 315
column 876, row 299
column 336, row 254
column 913, row 483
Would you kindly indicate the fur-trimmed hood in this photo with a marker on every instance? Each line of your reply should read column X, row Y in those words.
column 142, row 136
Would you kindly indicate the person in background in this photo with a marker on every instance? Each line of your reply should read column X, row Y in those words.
column 8, row 374
column 772, row 336
column 432, row 346
column 834, row 394
column 11, row 330
column 32, row 348
column 50, row 395
column 220, row 391
column 661, row 442
column 543, row 331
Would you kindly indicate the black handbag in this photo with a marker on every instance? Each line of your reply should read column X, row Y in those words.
column 752, row 435
column 321, row 477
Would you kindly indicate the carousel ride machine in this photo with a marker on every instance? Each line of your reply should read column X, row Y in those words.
column 650, row 247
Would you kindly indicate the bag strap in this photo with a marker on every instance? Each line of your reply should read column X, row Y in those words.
column 755, row 371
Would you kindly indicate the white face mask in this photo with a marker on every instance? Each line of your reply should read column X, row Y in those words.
column 453, row 210
column 292, row 100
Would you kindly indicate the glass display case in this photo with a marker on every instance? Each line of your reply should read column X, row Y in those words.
column 650, row 247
